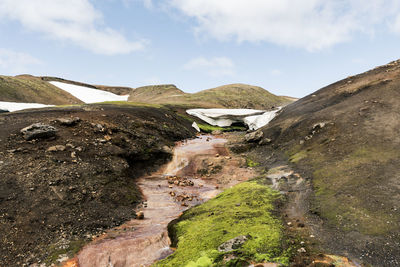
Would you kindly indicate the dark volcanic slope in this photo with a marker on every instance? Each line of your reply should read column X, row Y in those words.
column 51, row 202
column 346, row 139
column 30, row 89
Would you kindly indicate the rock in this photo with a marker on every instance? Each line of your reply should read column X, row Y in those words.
column 4, row 110
column 302, row 250
column 69, row 121
column 70, row 145
column 233, row 244
column 98, row 128
column 167, row 149
column 319, row 125
column 216, row 132
column 140, row 215
column 264, row 141
column 56, row 148
column 254, row 136
column 38, row 130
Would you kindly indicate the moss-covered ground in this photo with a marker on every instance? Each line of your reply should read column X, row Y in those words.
column 245, row 209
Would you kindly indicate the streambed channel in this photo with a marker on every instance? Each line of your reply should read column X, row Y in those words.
column 199, row 170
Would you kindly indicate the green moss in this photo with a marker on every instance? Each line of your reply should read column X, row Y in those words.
column 242, row 210
column 295, row 158
column 126, row 103
column 70, row 250
column 209, row 128
column 251, row 163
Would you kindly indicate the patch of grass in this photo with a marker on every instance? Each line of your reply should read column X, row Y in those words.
column 245, row 209
column 210, row 128
column 126, row 103
column 295, row 158
column 251, row 163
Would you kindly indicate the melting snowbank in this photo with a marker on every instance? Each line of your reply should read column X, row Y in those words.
column 89, row 95
column 253, row 118
column 14, row 106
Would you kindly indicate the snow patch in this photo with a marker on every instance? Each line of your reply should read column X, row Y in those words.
column 89, row 95
column 258, row 121
column 253, row 118
column 14, row 106
column 194, row 125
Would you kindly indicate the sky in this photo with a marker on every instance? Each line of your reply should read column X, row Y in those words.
column 289, row 47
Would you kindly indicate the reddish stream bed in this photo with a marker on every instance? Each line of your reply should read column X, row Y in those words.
column 166, row 195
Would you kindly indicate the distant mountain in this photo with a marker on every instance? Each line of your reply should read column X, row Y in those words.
column 118, row 90
column 31, row 89
column 227, row 96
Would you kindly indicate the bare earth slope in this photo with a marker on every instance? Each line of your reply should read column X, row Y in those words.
column 56, row 193
column 30, row 89
column 227, row 96
column 345, row 139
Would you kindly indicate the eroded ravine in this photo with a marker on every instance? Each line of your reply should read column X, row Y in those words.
column 175, row 188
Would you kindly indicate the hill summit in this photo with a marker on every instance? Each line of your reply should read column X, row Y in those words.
column 226, row 96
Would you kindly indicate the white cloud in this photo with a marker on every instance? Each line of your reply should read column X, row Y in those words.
column 75, row 21
column 216, row 66
column 12, row 62
column 309, row 24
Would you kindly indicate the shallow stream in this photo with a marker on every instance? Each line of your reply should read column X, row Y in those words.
column 166, row 195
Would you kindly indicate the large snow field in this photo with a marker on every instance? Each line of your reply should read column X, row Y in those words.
column 89, row 95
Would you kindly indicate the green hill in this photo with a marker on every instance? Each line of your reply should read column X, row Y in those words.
column 227, row 96
column 30, row 89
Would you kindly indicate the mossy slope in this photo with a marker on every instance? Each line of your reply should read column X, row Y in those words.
column 245, row 209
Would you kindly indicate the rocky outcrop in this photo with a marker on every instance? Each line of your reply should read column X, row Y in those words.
column 254, row 137
column 38, row 130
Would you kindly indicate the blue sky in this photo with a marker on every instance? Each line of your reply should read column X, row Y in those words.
column 289, row 47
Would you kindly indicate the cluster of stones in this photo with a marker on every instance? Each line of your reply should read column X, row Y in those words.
column 179, row 181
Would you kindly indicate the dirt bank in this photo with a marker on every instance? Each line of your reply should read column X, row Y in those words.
column 57, row 193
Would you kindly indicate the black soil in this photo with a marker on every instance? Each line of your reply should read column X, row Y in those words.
column 53, row 202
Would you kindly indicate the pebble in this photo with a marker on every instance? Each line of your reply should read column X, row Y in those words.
column 302, row 250
column 140, row 215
